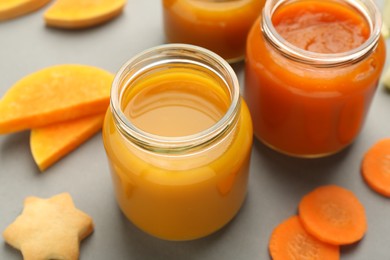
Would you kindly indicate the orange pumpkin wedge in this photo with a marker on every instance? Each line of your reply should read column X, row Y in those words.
column 76, row 14
column 13, row 8
column 51, row 143
column 55, row 94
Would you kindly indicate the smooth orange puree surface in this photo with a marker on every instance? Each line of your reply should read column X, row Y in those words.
column 220, row 26
column 323, row 27
column 304, row 110
column 174, row 104
column 173, row 196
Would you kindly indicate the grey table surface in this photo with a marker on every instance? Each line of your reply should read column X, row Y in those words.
column 276, row 183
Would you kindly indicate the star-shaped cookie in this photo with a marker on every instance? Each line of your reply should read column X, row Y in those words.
column 49, row 228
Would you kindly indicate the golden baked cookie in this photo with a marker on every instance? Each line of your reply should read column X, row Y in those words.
column 49, row 228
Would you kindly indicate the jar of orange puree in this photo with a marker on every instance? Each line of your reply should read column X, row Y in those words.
column 178, row 138
column 311, row 72
column 221, row 26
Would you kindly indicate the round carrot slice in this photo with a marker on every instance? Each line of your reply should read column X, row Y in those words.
column 376, row 167
column 289, row 240
column 333, row 215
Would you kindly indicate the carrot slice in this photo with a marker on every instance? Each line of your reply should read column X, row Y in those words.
column 55, row 94
column 13, row 8
column 290, row 241
column 74, row 14
column 51, row 143
column 376, row 167
column 333, row 215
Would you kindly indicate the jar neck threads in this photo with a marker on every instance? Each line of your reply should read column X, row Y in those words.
column 166, row 57
column 366, row 8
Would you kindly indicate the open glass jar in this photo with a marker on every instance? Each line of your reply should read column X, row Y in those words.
column 312, row 68
column 221, row 26
column 178, row 138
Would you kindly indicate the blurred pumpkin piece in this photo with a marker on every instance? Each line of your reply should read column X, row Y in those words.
column 13, row 8
column 77, row 14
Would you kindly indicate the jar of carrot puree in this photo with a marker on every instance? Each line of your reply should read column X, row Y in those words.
column 312, row 68
column 221, row 26
column 178, row 138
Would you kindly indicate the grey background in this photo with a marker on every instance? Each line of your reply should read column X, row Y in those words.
column 276, row 184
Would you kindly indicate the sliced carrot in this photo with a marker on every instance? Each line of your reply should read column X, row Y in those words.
column 55, row 94
column 290, row 241
column 51, row 143
column 74, row 14
column 13, row 8
column 376, row 167
column 334, row 215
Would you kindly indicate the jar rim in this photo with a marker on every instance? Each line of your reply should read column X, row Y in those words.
column 183, row 53
column 366, row 7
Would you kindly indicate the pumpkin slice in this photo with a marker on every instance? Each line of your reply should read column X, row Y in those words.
column 51, row 143
column 76, row 14
column 55, row 94
column 13, row 8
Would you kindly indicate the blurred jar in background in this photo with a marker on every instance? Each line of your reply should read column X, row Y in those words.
column 221, row 26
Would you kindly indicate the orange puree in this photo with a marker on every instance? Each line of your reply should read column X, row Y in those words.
column 176, row 196
column 321, row 27
column 220, row 26
column 304, row 110
column 160, row 106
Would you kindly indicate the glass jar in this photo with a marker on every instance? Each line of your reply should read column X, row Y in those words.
column 305, row 98
column 221, row 26
column 178, row 139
